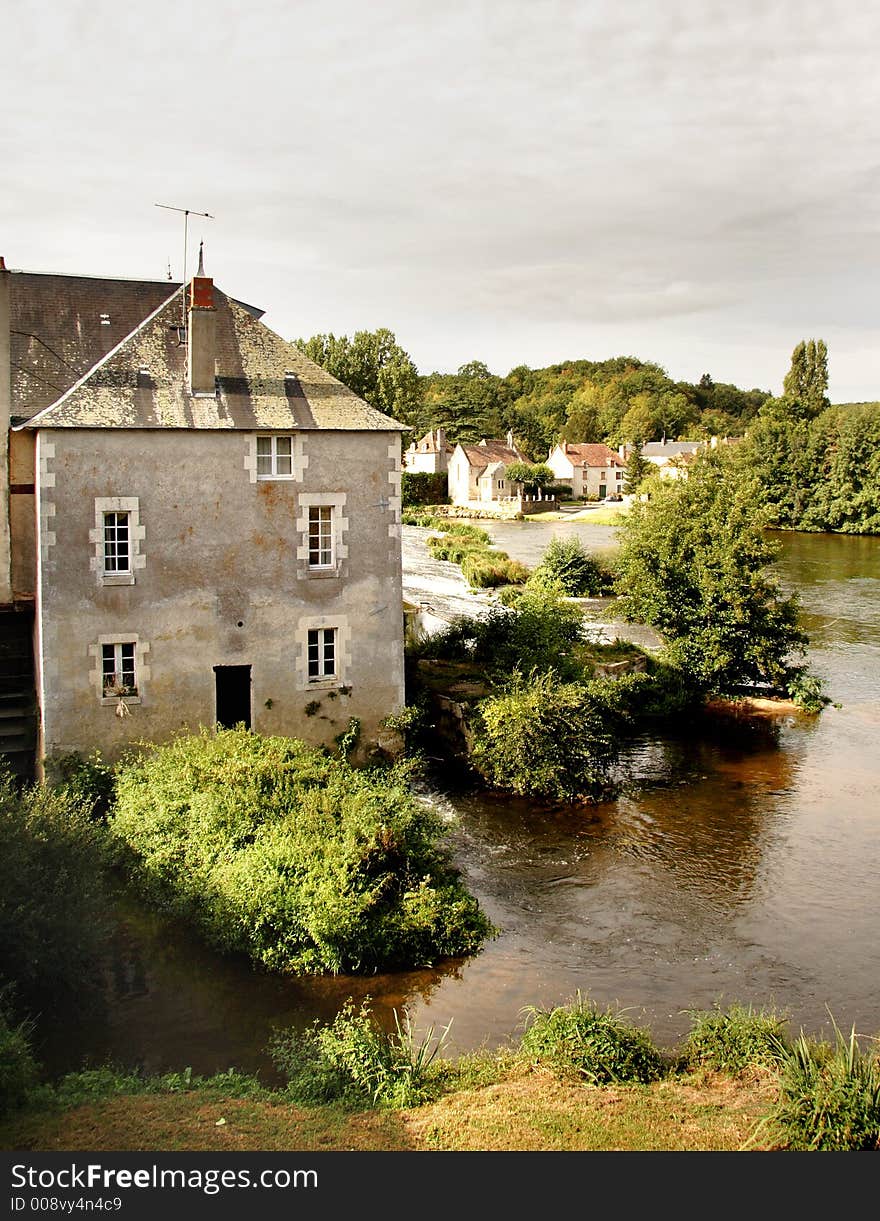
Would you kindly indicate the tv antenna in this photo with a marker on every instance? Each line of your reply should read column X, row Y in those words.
column 187, row 213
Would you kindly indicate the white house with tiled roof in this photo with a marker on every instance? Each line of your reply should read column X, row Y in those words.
column 477, row 473
column 593, row 471
column 430, row 454
column 203, row 523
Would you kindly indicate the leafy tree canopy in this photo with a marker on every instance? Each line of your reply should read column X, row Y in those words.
column 373, row 365
column 694, row 564
column 532, row 477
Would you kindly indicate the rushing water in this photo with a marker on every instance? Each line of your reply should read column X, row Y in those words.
column 744, row 866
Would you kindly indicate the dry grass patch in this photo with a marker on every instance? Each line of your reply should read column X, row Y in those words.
column 536, row 1111
column 196, row 1121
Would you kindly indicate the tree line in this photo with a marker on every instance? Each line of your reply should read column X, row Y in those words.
column 811, row 465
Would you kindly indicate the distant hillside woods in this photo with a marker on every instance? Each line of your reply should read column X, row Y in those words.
column 623, row 399
column 812, row 466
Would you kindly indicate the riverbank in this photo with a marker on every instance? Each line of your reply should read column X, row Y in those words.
column 514, row 1107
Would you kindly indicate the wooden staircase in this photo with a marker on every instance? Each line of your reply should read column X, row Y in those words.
column 18, row 706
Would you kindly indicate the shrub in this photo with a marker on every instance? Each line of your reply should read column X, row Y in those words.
column 580, row 1040
column 85, row 781
column 807, row 690
column 18, row 1072
column 281, row 851
column 538, row 632
column 488, row 569
column 829, row 1096
column 453, row 548
column 734, row 1040
column 421, row 517
column 424, row 488
column 544, row 738
column 52, row 900
column 354, row 1061
column 463, row 530
column 578, row 573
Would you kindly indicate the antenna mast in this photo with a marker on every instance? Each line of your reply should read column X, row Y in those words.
column 187, row 213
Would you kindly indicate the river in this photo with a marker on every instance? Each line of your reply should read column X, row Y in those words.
column 741, row 867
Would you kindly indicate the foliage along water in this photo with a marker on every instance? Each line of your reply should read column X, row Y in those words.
column 743, row 866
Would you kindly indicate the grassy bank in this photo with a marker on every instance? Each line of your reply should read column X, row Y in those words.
column 519, row 1109
column 580, row 1078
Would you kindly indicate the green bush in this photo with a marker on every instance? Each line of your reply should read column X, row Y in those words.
column 829, row 1097
column 544, row 738
column 580, row 1040
column 463, row 530
column 424, row 488
column 539, row 631
column 488, row 569
column 18, row 1072
column 280, row 851
column 452, row 548
column 734, row 1040
column 807, row 690
column 353, row 1060
column 85, row 781
column 53, row 906
column 578, row 573
column 421, row 517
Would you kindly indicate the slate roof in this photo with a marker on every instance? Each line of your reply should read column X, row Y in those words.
column 57, row 334
column 140, row 381
column 591, row 454
column 670, row 449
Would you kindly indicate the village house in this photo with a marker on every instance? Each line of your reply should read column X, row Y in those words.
column 673, row 457
column 199, row 525
column 592, row 471
column 429, row 455
column 478, row 473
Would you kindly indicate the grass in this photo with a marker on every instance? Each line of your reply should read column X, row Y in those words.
column 581, row 1041
column 581, row 1078
column 494, row 1103
column 829, row 1096
column 734, row 1040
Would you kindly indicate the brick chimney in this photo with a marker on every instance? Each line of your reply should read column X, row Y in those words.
column 5, row 414
column 201, row 354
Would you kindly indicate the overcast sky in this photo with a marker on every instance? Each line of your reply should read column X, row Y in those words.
column 694, row 183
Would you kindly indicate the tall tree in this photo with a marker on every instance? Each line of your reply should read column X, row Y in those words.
column 637, row 467
column 374, row 366
column 806, row 384
column 694, row 564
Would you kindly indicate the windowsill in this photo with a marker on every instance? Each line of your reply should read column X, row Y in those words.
column 275, row 478
column 110, row 701
column 323, row 684
column 117, row 578
column 323, row 572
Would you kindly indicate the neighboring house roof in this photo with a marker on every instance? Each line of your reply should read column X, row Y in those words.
column 262, row 381
column 482, row 455
column 62, row 326
column 670, row 449
column 590, row 454
column 430, row 444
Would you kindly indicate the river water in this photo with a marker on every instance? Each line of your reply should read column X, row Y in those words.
column 744, row 866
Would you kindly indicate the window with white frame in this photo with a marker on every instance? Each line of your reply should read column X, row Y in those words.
column 321, row 548
column 118, row 669
column 117, row 543
column 117, row 539
column 275, row 457
column 321, row 654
